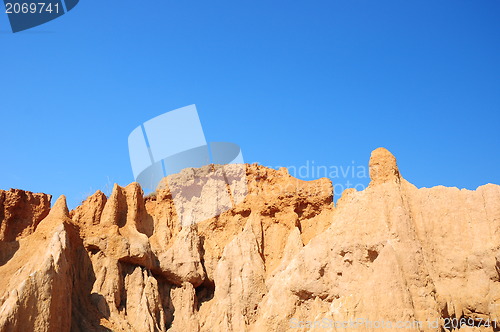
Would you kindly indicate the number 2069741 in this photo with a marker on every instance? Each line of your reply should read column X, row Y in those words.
column 32, row 8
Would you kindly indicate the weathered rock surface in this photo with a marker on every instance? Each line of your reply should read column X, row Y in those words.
column 20, row 213
column 37, row 282
column 220, row 250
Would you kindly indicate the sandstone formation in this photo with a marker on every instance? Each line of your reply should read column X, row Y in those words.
column 247, row 248
column 20, row 213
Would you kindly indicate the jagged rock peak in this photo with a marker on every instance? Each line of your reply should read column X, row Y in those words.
column 383, row 167
column 89, row 213
column 60, row 208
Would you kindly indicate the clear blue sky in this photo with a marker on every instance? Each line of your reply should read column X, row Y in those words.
column 289, row 81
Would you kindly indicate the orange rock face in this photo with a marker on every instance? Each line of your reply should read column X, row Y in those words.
column 20, row 213
column 253, row 251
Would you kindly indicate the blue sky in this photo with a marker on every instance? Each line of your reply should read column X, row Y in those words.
column 291, row 82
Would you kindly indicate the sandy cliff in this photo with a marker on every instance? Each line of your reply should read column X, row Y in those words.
column 253, row 251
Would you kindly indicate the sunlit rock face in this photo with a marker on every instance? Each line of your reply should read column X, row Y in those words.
column 221, row 249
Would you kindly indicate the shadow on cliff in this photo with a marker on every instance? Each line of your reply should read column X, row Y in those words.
column 85, row 316
column 204, row 292
column 7, row 251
